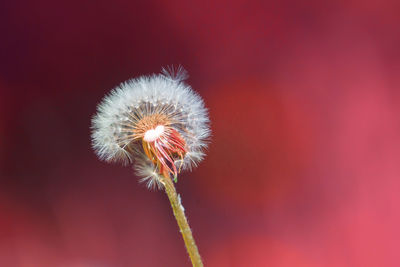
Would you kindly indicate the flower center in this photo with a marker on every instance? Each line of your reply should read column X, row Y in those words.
column 153, row 134
column 163, row 145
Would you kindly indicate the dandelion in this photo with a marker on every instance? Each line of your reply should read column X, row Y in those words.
column 160, row 125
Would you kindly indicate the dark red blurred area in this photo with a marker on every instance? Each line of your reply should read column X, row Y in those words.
column 303, row 166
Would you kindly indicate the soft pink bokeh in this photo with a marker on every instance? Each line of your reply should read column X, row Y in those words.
column 303, row 168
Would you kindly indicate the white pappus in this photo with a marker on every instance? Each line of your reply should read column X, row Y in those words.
column 156, row 122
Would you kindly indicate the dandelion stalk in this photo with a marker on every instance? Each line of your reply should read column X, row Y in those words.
column 160, row 125
column 180, row 217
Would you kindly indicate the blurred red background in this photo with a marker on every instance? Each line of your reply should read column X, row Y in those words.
column 303, row 166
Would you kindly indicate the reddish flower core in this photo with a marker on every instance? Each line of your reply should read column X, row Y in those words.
column 164, row 150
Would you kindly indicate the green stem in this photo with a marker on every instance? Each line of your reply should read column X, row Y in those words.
column 182, row 221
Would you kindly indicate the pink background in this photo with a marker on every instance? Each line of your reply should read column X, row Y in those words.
column 303, row 168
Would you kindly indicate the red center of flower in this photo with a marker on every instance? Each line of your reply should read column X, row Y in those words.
column 163, row 145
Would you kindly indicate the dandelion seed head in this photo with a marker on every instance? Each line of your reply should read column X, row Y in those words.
column 156, row 122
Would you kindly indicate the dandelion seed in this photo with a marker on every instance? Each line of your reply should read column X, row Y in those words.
column 159, row 124
column 156, row 122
